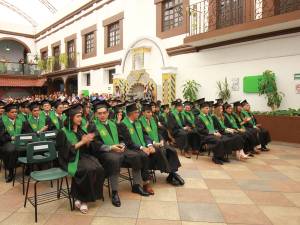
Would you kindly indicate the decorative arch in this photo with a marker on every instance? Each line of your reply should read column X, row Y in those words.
column 16, row 40
column 136, row 42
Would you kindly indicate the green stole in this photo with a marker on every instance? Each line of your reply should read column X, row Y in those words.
column 83, row 124
column 176, row 115
column 150, row 129
column 136, row 134
column 247, row 114
column 11, row 129
column 207, row 120
column 22, row 117
column 71, row 137
column 105, row 135
column 164, row 116
column 239, row 119
column 54, row 119
column 189, row 116
column 221, row 122
column 231, row 120
column 36, row 125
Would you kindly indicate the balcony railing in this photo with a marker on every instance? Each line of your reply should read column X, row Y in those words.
column 13, row 68
column 208, row 15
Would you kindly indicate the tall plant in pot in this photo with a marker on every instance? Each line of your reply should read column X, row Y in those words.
column 190, row 90
column 268, row 87
column 63, row 59
column 224, row 90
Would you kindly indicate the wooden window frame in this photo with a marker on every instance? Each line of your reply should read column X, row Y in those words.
column 55, row 45
column 72, row 37
column 106, row 23
column 44, row 51
column 84, row 32
column 176, row 30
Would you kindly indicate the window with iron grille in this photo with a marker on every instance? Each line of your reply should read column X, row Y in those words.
column 56, row 53
column 44, row 55
column 285, row 6
column 88, row 79
column 172, row 14
column 71, row 53
column 230, row 12
column 111, row 73
column 113, row 34
column 89, row 42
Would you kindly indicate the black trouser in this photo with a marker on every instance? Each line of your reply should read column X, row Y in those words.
column 10, row 155
column 182, row 140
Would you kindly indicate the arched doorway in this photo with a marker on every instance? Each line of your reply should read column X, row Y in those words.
column 72, row 85
column 13, row 50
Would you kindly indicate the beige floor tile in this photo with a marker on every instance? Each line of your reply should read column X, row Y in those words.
column 231, row 197
column 159, row 210
column 221, row 184
column 113, row 221
column 70, row 219
column 157, row 222
column 24, row 219
column 215, row 174
column 269, row 198
column 194, row 195
column 243, row 175
column 194, row 183
column 293, row 197
column 282, row 215
column 200, row 223
column 47, row 208
column 235, row 167
column 162, row 194
column 4, row 215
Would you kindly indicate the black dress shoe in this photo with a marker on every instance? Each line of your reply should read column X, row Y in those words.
column 115, row 199
column 179, row 178
column 171, row 180
column 9, row 177
column 217, row 161
column 136, row 188
column 223, row 159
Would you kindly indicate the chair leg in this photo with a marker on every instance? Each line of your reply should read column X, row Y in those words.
column 108, row 186
column 35, row 202
column 51, row 183
column 26, row 196
column 130, row 178
column 14, row 178
column 69, row 196
column 23, row 179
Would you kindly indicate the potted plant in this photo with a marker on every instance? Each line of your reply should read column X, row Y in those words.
column 63, row 59
column 223, row 90
column 268, row 87
column 190, row 90
column 50, row 64
column 41, row 64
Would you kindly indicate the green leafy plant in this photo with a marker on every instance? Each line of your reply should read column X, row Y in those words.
column 190, row 90
column 3, row 67
column 63, row 59
column 268, row 87
column 223, row 90
column 42, row 64
column 50, row 64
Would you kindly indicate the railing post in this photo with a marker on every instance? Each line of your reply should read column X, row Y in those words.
column 212, row 15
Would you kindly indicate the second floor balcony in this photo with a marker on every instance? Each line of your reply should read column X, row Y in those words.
column 213, row 21
column 15, row 68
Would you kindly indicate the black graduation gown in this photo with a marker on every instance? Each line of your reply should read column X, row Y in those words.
column 232, row 142
column 164, row 130
column 264, row 135
column 193, row 137
column 113, row 161
column 51, row 125
column 180, row 135
column 87, row 184
column 215, row 143
column 248, row 137
column 165, row 158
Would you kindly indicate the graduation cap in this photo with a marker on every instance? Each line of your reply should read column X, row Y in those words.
column 178, row 102
column 153, row 104
column 73, row 110
column 65, row 102
column 217, row 104
column 131, row 107
column 244, row 102
column 210, row 103
column 45, row 101
column 219, row 100
column 188, row 103
column 227, row 105
column 101, row 104
column 237, row 103
column 24, row 104
column 2, row 104
column 10, row 106
column 173, row 103
column 165, row 106
column 34, row 105
column 118, row 108
column 204, row 104
column 57, row 103
column 147, row 106
column 200, row 101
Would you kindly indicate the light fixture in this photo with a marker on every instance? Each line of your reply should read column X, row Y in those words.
column 7, row 49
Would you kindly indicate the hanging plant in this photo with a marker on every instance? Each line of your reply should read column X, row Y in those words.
column 190, row 90
column 267, row 86
column 50, row 64
column 63, row 59
column 224, row 90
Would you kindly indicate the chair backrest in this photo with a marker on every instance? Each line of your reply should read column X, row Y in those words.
column 48, row 135
column 40, row 152
column 23, row 139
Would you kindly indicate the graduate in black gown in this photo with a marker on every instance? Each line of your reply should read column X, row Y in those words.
column 163, row 120
column 165, row 158
column 10, row 126
column 74, row 155
column 250, row 138
column 56, row 118
column 179, row 129
column 264, row 135
column 110, row 149
column 232, row 140
column 210, row 138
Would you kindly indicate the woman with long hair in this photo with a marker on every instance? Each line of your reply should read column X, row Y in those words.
column 74, row 155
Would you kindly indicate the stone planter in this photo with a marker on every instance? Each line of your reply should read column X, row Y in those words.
column 281, row 128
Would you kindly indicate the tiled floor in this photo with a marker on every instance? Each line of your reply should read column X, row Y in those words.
column 264, row 190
